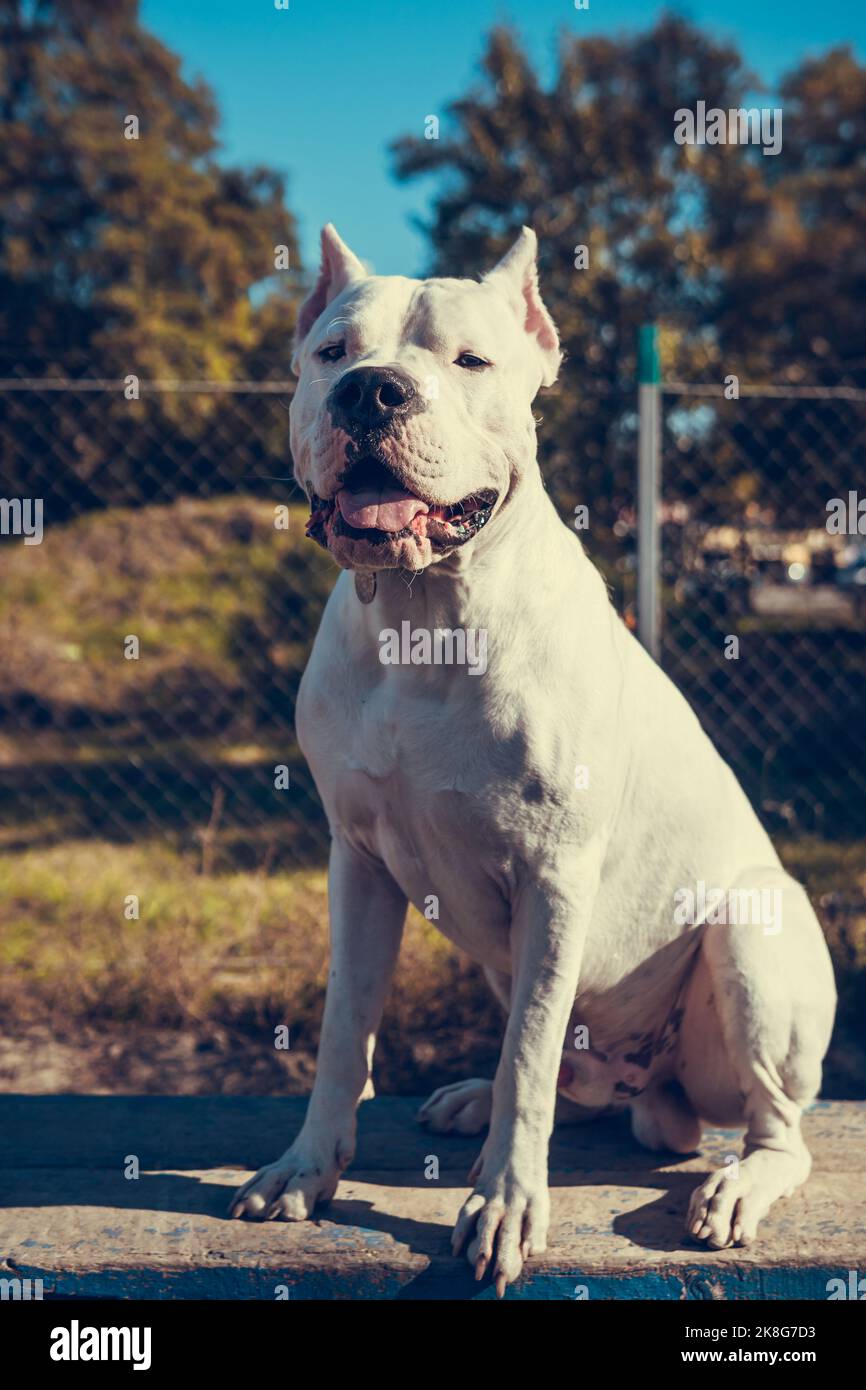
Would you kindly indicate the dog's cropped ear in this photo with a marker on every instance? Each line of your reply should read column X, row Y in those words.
column 517, row 276
column 339, row 267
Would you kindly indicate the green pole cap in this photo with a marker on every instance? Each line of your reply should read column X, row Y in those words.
column 648, row 366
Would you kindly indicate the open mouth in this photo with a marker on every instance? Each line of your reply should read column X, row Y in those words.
column 372, row 506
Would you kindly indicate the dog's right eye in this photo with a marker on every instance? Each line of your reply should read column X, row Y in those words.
column 332, row 353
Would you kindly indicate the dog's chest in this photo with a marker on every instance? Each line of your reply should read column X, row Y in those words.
column 420, row 779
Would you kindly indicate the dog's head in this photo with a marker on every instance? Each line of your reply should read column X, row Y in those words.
column 412, row 419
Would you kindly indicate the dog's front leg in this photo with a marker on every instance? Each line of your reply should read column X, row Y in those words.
column 367, row 911
column 506, row 1217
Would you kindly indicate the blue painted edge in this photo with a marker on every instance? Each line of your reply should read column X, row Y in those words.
column 442, row 1280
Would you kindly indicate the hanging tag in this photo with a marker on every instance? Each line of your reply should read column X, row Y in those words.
column 365, row 585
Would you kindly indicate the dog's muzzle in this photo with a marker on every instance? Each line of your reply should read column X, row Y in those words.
column 372, row 505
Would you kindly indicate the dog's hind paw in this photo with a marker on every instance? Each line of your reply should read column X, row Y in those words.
column 463, row 1108
column 729, row 1204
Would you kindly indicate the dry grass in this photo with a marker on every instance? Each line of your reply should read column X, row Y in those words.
column 224, row 958
column 182, row 577
column 189, row 994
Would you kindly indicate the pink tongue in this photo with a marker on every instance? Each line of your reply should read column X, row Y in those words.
column 386, row 509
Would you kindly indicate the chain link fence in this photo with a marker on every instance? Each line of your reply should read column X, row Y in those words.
column 154, row 640
column 763, row 584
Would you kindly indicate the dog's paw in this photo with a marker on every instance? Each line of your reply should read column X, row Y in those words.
column 463, row 1108
column 501, row 1224
column 289, row 1189
column 725, row 1210
column 728, row 1206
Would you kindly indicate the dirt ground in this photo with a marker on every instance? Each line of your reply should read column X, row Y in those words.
column 119, row 1060
column 156, row 1061
column 164, row 1061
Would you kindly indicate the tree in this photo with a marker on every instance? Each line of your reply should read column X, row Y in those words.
column 707, row 241
column 126, row 248
column 801, row 289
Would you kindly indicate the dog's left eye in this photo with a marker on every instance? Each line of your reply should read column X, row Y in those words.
column 332, row 353
column 471, row 359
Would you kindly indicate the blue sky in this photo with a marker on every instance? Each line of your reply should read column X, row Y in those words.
column 320, row 90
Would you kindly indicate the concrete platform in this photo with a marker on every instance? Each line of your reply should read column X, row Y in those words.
column 69, row 1216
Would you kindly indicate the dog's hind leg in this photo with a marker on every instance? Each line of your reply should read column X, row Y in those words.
column 758, row 1016
column 662, row 1119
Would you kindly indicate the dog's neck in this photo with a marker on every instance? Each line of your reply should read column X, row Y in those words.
column 491, row 573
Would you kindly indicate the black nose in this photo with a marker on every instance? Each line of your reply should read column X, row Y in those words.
column 371, row 396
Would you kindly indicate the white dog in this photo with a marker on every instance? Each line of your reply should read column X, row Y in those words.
column 585, row 842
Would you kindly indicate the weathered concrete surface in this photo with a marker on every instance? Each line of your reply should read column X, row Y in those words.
column 69, row 1216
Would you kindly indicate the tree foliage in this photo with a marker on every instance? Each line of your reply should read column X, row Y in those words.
column 126, row 254
column 752, row 264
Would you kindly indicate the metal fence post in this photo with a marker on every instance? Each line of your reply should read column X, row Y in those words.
column 648, row 488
